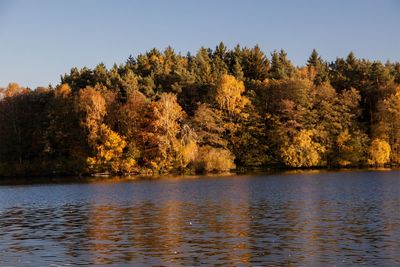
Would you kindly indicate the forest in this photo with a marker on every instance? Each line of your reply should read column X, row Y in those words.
column 214, row 111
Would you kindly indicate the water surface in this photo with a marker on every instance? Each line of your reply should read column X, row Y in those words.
column 338, row 218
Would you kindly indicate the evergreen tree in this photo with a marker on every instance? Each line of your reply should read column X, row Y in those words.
column 254, row 63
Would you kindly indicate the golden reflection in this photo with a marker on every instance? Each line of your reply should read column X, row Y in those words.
column 171, row 231
column 99, row 234
column 308, row 221
column 106, row 229
column 237, row 224
column 172, row 224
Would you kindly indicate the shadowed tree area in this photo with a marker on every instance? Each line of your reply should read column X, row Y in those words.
column 162, row 112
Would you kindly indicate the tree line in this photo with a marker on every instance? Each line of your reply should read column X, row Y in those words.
column 214, row 111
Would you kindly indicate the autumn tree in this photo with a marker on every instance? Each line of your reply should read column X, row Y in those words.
column 229, row 95
column 106, row 145
column 379, row 152
column 187, row 147
column 135, row 118
column 209, row 127
column 212, row 152
column 163, row 149
column 92, row 105
column 108, row 153
column 387, row 123
column 302, row 151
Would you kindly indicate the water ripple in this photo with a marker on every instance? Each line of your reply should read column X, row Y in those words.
column 332, row 219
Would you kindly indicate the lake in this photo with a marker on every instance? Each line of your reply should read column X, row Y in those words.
column 301, row 219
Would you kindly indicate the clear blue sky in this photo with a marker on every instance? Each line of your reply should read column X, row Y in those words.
column 39, row 40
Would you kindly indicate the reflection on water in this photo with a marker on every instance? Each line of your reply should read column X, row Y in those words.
column 302, row 219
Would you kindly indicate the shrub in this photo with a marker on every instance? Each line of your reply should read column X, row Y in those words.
column 379, row 152
column 213, row 160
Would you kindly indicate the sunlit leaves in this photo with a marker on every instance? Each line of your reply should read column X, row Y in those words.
column 212, row 159
column 229, row 95
column 379, row 152
column 302, row 151
column 108, row 152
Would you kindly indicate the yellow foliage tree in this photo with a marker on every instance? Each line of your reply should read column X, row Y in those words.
column 108, row 152
column 92, row 105
column 187, row 149
column 164, row 147
column 14, row 89
column 229, row 94
column 343, row 146
column 63, row 91
column 302, row 151
column 307, row 72
column 379, row 152
column 107, row 146
column 388, row 123
column 133, row 120
column 168, row 114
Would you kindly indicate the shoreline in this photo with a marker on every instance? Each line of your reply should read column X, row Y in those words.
column 61, row 179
